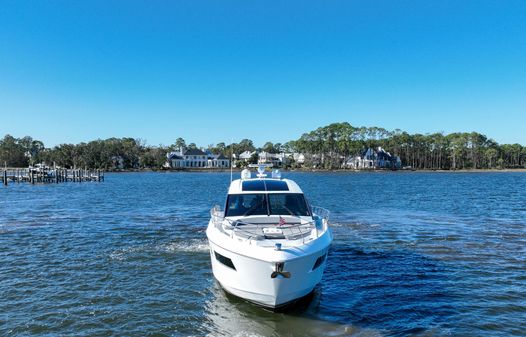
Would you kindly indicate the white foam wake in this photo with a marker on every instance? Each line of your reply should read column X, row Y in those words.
column 193, row 245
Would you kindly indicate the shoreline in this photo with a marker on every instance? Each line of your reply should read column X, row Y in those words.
column 205, row 170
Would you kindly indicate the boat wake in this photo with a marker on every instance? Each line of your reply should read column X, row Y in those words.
column 124, row 253
column 188, row 246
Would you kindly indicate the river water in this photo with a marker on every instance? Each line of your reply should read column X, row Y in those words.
column 425, row 254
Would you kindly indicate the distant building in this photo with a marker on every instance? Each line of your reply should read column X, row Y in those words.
column 196, row 158
column 298, row 158
column 245, row 156
column 276, row 159
column 218, row 161
column 189, row 158
column 373, row 159
column 117, row 163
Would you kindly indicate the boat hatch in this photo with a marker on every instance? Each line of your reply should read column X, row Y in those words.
column 264, row 185
column 273, row 233
column 272, row 230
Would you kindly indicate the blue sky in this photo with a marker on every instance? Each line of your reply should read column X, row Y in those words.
column 212, row 71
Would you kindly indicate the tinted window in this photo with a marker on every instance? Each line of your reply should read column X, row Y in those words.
column 253, row 185
column 264, row 185
column 246, row 204
column 288, row 204
column 276, row 185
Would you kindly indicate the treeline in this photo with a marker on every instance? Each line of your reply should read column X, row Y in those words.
column 329, row 144
column 107, row 154
column 326, row 147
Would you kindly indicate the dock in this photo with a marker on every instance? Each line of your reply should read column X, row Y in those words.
column 43, row 176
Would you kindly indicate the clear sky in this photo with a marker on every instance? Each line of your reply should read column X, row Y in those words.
column 212, row 71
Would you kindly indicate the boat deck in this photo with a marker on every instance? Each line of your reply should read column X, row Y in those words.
column 274, row 232
column 279, row 227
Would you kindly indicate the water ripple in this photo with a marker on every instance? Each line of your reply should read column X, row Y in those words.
column 414, row 254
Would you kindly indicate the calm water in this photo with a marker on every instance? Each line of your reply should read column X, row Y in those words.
column 427, row 254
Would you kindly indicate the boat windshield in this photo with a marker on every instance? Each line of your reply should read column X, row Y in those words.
column 246, row 204
column 267, row 204
column 287, row 204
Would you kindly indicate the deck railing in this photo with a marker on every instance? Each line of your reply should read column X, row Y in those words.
column 255, row 230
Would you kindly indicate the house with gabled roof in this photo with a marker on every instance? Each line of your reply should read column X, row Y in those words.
column 196, row 158
column 373, row 159
column 189, row 158
column 218, row 161
column 245, row 156
column 276, row 159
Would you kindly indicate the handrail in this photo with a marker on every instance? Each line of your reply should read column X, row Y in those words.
column 319, row 213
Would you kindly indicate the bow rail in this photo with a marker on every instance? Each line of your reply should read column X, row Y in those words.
column 288, row 227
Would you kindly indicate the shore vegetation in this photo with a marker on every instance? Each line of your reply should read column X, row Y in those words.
column 326, row 148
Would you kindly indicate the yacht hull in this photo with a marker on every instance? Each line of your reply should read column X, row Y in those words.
column 250, row 273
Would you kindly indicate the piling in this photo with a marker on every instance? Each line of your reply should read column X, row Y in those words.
column 47, row 175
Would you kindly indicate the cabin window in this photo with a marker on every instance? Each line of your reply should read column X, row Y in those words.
column 288, row 204
column 246, row 204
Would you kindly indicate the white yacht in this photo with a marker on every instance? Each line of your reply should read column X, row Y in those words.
column 268, row 246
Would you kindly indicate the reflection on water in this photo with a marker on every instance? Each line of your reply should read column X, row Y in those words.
column 414, row 254
column 227, row 315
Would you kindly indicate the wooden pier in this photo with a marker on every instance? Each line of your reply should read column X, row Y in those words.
column 40, row 176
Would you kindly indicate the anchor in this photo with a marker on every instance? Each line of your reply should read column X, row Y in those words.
column 278, row 270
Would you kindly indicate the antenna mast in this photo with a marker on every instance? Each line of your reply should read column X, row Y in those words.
column 231, row 157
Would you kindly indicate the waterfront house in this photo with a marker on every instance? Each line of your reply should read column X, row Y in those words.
column 373, row 159
column 245, row 156
column 174, row 160
column 275, row 159
column 196, row 158
column 217, row 161
column 299, row 158
column 190, row 158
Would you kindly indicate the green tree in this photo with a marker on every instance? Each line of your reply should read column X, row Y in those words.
column 269, row 147
column 179, row 144
column 254, row 158
column 13, row 152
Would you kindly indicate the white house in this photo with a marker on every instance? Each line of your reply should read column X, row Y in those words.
column 270, row 158
column 298, row 158
column 195, row 158
column 187, row 159
column 284, row 158
column 245, row 156
column 217, row 161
